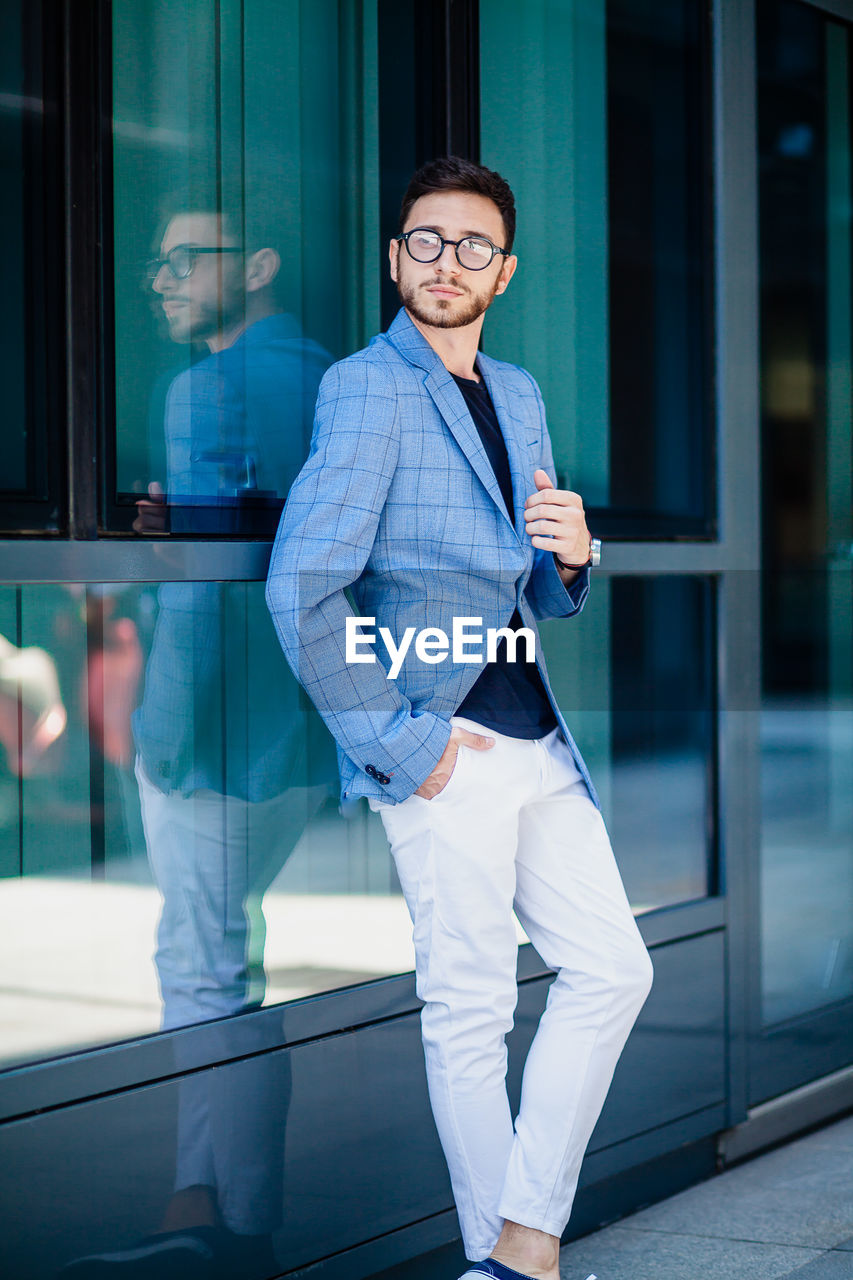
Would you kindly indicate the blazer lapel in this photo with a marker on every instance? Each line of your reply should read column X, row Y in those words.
column 450, row 403
column 512, row 430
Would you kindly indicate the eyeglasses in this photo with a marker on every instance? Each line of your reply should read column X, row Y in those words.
column 474, row 252
column 181, row 260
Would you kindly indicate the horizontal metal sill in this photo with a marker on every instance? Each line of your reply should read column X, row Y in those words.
column 132, row 560
column 170, row 560
column 783, row 1117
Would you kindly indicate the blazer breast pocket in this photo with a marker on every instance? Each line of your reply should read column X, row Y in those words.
column 533, row 438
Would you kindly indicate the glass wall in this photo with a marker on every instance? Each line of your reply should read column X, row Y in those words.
column 245, row 197
column 596, row 116
column 807, row 466
column 171, row 844
column 170, row 839
column 645, row 723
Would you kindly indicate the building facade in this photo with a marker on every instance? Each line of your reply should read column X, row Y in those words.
column 207, row 1007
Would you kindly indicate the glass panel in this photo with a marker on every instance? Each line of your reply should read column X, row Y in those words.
column 28, row 479
column 634, row 679
column 608, row 308
column 171, row 845
column 167, row 790
column 248, row 132
column 807, row 597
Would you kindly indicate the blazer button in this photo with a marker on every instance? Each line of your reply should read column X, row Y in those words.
column 383, row 778
column 370, row 770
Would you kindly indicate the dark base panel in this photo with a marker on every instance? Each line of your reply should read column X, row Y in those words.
column 595, row 1206
column 323, row 1157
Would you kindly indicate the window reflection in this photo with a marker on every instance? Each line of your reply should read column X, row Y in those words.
column 222, row 765
column 174, row 852
column 187, row 807
column 636, row 681
column 236, row 423
column 226, row 790
column 806, row 247
column 237, row 130
column 609, row 307
column 185, row 812
column 166, row 790
column 662, row 788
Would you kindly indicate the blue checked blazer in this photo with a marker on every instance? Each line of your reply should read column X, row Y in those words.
column 397, row 515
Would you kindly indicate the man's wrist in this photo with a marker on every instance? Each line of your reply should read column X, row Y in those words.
column 592, row 560
column 569, row 568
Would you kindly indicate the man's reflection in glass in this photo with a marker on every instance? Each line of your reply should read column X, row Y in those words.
column 226, row 780
column 238, row 421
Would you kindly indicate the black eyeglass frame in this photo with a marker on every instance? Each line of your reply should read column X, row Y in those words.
column 154, row 266
column 456, row 243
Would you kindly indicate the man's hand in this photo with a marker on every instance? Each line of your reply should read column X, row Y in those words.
column 153, row 513
column 440, row 775
column 555, row 521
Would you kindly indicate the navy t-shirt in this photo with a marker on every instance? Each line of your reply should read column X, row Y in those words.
column 508, row 697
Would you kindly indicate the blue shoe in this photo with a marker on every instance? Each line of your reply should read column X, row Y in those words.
column 497, row 1271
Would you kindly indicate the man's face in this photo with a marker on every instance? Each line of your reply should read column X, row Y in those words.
column 443, row 293
column 212, row 298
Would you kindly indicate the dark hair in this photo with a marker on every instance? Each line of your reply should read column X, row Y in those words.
column 452, row 173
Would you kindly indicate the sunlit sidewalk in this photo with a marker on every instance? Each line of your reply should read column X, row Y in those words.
column 786, row 1213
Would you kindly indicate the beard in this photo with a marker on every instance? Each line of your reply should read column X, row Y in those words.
column 441, row 313
column 197, row 319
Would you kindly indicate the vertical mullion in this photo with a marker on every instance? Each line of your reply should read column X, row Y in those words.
column 20, row 770
column 738, row 484
column 83, row 243
column 429, row 61
column 461, row 56
column 96, row 696
column 105, row 465
column 456, row 68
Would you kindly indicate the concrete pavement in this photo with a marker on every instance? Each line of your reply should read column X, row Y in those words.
column 788, row 1212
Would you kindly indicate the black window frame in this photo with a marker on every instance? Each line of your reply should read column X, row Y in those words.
column 41, row 510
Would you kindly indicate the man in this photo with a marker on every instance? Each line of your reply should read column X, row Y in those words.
column 429, row 496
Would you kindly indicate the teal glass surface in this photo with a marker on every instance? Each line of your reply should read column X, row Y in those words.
column 12, row 227
column 634, row 678
column 595, row 115
column 171, row 845
column 251, row 128
column 172, row 849
column 804, row 63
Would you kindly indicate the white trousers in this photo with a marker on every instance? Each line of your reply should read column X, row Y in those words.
column 515, row 829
